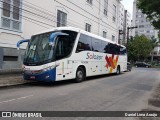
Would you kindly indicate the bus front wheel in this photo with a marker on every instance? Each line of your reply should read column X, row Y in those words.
column 80, row 75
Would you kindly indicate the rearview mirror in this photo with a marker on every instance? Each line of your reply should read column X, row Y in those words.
column 20, row 42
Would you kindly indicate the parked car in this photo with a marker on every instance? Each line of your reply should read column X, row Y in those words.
column 129, row 66
column 142, row 64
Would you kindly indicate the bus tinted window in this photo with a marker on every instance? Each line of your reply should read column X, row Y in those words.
column 65, row 45
column 84, row 43
column 96, row 45
column 123, row 51
column 104, row 46
column 112, row 49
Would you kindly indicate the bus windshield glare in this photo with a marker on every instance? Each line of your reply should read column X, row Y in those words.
column 39, row 51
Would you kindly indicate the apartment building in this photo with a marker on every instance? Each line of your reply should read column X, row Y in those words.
column 20, row 19
column 144, row 27
column 143, row 24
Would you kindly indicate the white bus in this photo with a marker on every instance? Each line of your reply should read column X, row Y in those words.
column 70, row 53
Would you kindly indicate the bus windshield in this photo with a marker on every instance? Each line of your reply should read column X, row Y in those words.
column 40, row 52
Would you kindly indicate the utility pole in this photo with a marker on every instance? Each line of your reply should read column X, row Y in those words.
column 128, row 28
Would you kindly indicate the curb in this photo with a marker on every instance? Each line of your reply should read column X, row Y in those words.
column 11, row 85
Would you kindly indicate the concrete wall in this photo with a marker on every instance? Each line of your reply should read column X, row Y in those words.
column 12, row 52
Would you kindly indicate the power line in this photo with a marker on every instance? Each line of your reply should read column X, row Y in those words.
column 36, row 20
column 93, row 5
column 87, row 17
column 44, row 16
column 27, row 11
column 26, row 17
column 68, row 23
column 89, row 13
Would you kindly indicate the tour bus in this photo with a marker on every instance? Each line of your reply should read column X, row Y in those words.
column 70, row 53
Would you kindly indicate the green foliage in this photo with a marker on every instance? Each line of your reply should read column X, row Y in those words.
column 154, row 42
column 139, row 48
column 152, row 9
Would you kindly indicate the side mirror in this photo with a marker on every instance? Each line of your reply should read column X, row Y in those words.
column 20, row 42
column 53, row 37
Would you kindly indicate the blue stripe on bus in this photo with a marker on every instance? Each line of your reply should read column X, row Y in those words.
column 48, row 76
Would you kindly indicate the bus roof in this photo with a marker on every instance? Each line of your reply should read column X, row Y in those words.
column 78, row 30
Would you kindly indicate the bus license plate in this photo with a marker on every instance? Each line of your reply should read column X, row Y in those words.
column 32, row 77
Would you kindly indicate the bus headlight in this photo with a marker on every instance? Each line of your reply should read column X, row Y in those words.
column 49, row 68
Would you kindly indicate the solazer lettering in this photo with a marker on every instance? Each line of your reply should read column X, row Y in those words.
column 93, row 56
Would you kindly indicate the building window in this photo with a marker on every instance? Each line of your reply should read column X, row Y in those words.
column 105, row 7
column 90, row 1
column 88, row 27
column 114, row 13
column 61, row 19
column 141, row 26
column 113, row 38
column 11, row 15
column 104, row 34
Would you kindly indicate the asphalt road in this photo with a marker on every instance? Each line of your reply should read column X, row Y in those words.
column 126, row 92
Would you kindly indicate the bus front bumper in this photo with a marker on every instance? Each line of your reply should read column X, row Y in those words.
column 47, row 76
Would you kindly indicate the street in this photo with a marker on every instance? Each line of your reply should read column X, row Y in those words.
column 126, row 92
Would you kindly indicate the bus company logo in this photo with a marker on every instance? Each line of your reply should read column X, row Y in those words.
column 93, row 56
column 111, row 62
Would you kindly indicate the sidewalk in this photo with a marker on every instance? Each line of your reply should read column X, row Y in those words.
column 11, row 77
column 10, row 71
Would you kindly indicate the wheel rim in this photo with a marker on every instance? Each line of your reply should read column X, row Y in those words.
column 80, row 75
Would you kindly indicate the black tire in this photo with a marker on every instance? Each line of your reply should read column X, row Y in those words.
column 80, row 75
column 118, row 70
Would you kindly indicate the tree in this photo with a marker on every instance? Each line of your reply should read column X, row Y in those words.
column 152, row 9
column 154, row 43
column 139, row 48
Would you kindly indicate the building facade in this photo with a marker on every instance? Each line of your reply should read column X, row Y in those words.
column 20, row 19
column 124, row 22
column 143, row 24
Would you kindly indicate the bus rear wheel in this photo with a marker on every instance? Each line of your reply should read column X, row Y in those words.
column 80, row 75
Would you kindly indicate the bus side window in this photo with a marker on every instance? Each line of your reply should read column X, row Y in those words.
column 84, row 43
column 96, row 45
column 122, row 51
column 104, row 47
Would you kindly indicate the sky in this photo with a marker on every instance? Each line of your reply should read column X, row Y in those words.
column 128, row 4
